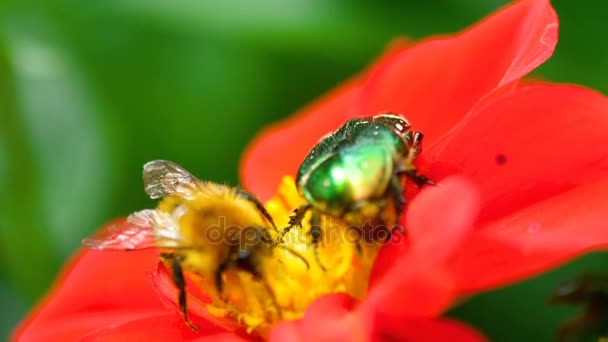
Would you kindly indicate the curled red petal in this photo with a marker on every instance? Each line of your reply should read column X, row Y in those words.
column 279, row 149
column 96, row 289
column 418, row 283
column 437, row 82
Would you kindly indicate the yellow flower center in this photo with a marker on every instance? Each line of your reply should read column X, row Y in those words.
column 287, row 286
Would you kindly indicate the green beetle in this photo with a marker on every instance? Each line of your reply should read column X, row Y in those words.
column 357, row 173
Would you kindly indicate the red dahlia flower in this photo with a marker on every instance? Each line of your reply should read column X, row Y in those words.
column 523, row 169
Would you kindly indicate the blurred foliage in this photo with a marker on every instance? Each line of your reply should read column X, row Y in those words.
column 89, row 91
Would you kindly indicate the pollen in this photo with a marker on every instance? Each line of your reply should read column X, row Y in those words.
column 341, row 263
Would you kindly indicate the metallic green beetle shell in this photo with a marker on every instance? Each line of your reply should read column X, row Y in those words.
column 353, row 164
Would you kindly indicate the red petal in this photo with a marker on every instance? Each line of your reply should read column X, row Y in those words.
column 329, row 318
column 527, row 146
column 398, row 247
column 417, row 284
column 161, row 327
column 97, row 289
column 535, row 239
column 78, row 325
column 439, row 218
column 337, row 318
column 225, row 337
column 408, row 329
column 536, row 155
column 436, row 83
column 278, row 150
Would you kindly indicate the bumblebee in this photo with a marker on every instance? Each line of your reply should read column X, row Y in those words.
column 357, row 173
column 202, row 228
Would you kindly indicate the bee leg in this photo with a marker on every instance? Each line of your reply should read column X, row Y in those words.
column 167, row 257
column 296, row 218
column 245, row 264
column 180, row 282
column 219, row 283
column 316, row 234
column 258, row 275
column 273, row 297
column 258, row 205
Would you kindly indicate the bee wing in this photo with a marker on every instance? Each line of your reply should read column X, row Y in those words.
column 141, row 230
column 164, row 178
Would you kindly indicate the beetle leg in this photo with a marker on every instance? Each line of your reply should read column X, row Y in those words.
column 406, row 168
column 414, row 140
column 258, row 205
column 400, row 202
column 415, row 177
column 180, row 283
column 416, row 145
column 296, row 218
column 398, row 198
column 316, row 234
column 406, row 165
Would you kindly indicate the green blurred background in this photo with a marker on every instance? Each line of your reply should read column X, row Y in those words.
column 90, row 90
